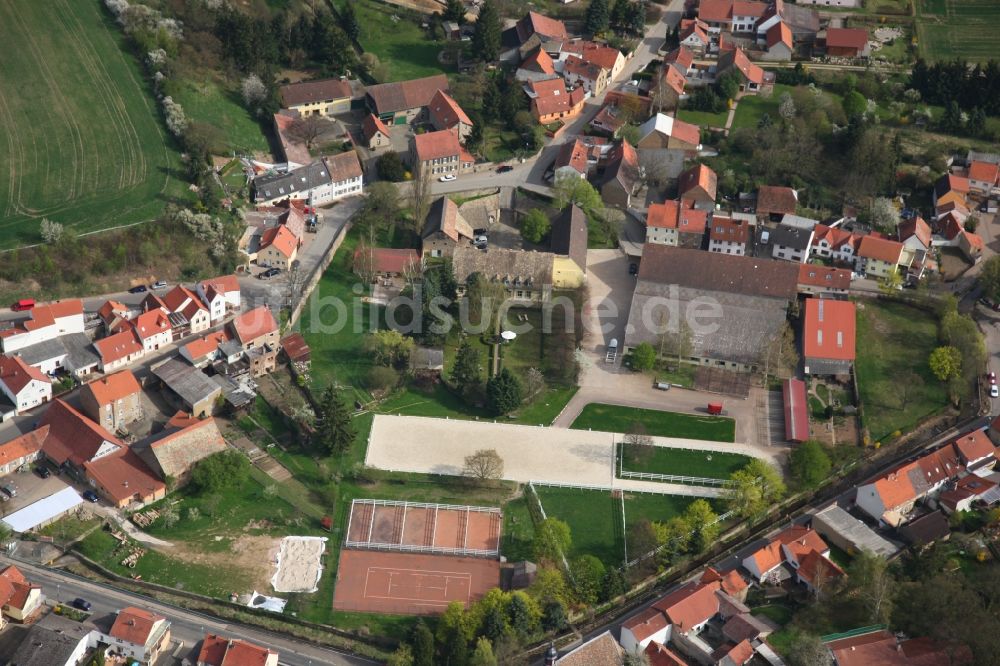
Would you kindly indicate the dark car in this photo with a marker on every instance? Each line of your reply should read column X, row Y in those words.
column 269, row 273
column 504, row 168
column 82, row 604
column 478, row 232
column 633, row 269
column 141, row 289
column 43, row 471
column 90, row 496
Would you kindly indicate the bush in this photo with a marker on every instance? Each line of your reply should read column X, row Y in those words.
column 643, row 357
column 381, row 378
column 390, row 167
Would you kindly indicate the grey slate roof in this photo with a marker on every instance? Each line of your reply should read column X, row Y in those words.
column 791, row 237
column 41, row 646
column 43, row 351
column 191, row 384
column 271, row 186
column 569, row 235
column 708, row 271
column 834, row 519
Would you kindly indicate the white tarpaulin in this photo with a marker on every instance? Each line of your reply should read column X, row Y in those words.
column 273, row 604
column 44, row 510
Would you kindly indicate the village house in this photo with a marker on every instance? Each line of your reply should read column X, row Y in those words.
column 153, row 329
column 728, row 236
column 73, row 439
column 847, row 43
column 676, row 223
column 952, row 233
column 439, row 153
column 790, row 243
column 221, row 651
column 255, row 329
column 828, row 336
column 204, row 350
column 584, row 74
column 531, row 31
column 404, row 102
column 816, row 280
column 669, row 88
column 969, row 491
column 24, row 386
column 292, row 149
column 20, row 600
column 694, row 35
column 138, row 634
column 603, row 650
column 526, row 276
column 916, row 236
column 752, row 79
column 113, row 401
column 778, row 43
column 183, row 442
column 606, row 57
column 753, row 296
column 698, row 184
column 573, row 160
column 324, row 97
column 538, row 66
column 22, row 450
column 804, row 553
column 984, row 178
column 666, row 132
column 802, row 22
column 550, row 101
column 114, row 316
column 835, row 243
column 319, row 183
column 950, row 196
column 220, row 295
column 45, row 322
column 119, row 350
column 878, row 257
column 446, row 114
column 444, row 230
column 278, row 247
column 568, row 243
column 123, row 479
column 621, row 176
column 189, row 389
column 381, row 262
column 376, row 133
column 773, row 202
column 188, row 315
column 881, row 646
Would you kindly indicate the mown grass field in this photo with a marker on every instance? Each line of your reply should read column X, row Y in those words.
column 898, row 340
column 613, row 418
column 948, row 29
column 681, row 462
column 82, row 141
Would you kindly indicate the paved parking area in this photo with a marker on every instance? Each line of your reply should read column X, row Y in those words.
column 30, row 488
column 609, row 299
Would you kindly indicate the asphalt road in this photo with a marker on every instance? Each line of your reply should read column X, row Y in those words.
column 186, row 626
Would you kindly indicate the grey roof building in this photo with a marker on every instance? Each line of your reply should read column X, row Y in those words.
column 848, row 533
column 569, row 235
column 189, row 385
column 277, row 185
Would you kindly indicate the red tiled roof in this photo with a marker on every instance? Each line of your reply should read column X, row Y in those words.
column 118, row 346
column 682, row 56
column 698, row 176
column 106, row 312
column 539, row 61
column 112, row 388
column 575, row 66
column 550, row 28
column 674, row 79
column 178, row 296
column 732, row 582
column 603, row 56
column 72, row 436
column 691, row 605
column 23, row 445
column 151, row 323
column 662, row 215
column 134, row 625
column 853, row 38
column 222, row 284
column 281, row 239
column 446, row 112
column 573, row 154
column 253, row 324
column 372, row 125
column 646, row 623
column 984, row 171
column 310, row 92
column 801, row 540
column 64, row 308
column 940, row 465
column 295, row 347
column 15, row 374
column 895, row 488
column 829, row 329
column 404, row 95
column 916, row 227
column 552, row 97
column 658, row 654
column 726, row 230
column 387, row 260
column 773, row 199
column 823, row 276
column 716, row 11
column 779, row 33
column 974, row 445
column 749, row 8
column 436, row 145
column 343, row 166
column 739, row 653
column 793, row 392
column 739, row 60
column 880, row 249
column 835, row 236
column 124, row 475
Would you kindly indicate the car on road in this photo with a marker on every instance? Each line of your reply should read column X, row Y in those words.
column 23, row 304
column 994, row 391
column 81, row 604
column 504, row 168
column 992, row 376
column 141, row 289
column 160, row 284
column 43, row 471
column 633, row 269
column 269, row 273
column 447, row 178
column 90, row 496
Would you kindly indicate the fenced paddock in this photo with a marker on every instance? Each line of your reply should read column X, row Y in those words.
column 445, row 529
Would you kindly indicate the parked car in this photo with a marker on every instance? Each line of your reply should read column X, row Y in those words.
column 9, row 490
column 663, row 386
column 23, row 304
column 992, row 376
column 159, row 284
column 478, row 232
column 81, row 604
column 504, row 168
column 43, row 471
column 994, row 391
column 90, row 496
column 269, row 273
column 447, row 178
column 141, row 289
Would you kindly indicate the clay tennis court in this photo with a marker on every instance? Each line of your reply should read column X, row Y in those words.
column 427, row 528
column 408, row 583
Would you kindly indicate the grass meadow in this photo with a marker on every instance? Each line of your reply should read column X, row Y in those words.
column 614, row 418
column 82, row 141
column 948, row 29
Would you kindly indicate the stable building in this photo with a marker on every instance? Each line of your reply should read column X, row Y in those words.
column 828, row 336
column 324, row 97
column 404, row 102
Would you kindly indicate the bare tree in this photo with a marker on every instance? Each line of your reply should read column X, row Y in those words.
column 411, row 271
column 779, row 355
column 909, row 385
column 364, row 261
column 638, row 440
column 534, row 384
column 309, row 128
column 661, row 95
column 483, row 465
column 420, row 195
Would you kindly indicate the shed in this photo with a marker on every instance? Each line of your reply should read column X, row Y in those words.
column 296, row 348
column 848, row 533
column 188, row 385
column 44, row 511
column 793, row 392
column 926, row 529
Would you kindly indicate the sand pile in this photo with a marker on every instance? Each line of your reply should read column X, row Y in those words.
column 298, row 564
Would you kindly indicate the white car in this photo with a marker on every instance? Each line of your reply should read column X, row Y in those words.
column 447, row 178
column 994, row 391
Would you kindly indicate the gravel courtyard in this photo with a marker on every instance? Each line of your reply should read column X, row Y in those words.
column 530, row 453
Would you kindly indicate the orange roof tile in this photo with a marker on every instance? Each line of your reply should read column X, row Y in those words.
column 822, row 276
column 539, row 61
column 436, row 145
column 151, row 323
column 779, row 33
column 829, row 329
column 207, row 345
column 880, row 249
column 895, row 488
column 701, row 176
column 112, row 388
column 646, row 623
column 446, row 112
column 118, row 346
column 72, row 436
column 658, row 654
column 15, row 374
column 691, row 605
column 372, row 125
column 727, row 230
column 134, row 625
column 974, row 445
column 813, row 565
column 23, row 445
column 984, row 171
column 853, row 38
column 253, row 324
column 281, row 239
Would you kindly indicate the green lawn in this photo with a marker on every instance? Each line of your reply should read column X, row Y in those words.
column 703, row 118
column 898, row 339
column 949, row 29
column 777, row 613
column 682, row 462
column 595, row 517
column 210, row 102
column 750, row 108
column 613, row 418
column 401, row 45
column 518, row 531
column 82, row 141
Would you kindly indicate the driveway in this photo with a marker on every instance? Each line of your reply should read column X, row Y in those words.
column 530, row 453
column 609, row 298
